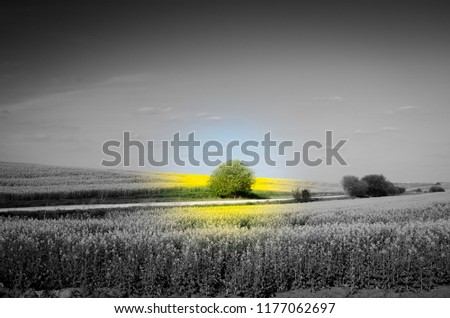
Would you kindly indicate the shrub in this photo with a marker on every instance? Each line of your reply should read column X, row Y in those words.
column 374, row 185
column 436, row 188
column 377, row 185
column 231, row 179
column 301, row 196
column 354, row 187
column 394, row 190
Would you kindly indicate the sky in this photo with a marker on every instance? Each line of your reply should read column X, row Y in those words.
column 75, row 74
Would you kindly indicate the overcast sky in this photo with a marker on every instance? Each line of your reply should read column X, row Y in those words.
column 74, row 74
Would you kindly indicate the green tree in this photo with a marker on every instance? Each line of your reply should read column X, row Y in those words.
column 377, row 185
column 231, row 180
column 354, row 187
column 373, row 185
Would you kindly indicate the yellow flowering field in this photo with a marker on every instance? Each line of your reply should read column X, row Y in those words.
column 261, row 184
column 28, row 184
column 400, row 243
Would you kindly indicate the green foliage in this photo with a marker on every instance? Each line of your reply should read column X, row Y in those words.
column 354, row 187
column 377, row 185
column 374, row 185
column 301, row 196
column 394, row 190
column 436, row 188
column 231, row 179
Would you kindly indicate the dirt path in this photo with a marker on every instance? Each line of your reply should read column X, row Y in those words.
column 155, row 204
column 344, row 292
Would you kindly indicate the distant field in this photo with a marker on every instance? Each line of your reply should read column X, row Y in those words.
column 26, row 184
column 423, row 186
column 399, row 244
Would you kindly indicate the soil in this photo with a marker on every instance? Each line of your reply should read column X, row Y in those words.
column 347, row 292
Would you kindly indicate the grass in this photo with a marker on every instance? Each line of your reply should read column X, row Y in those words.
column 35, row 185
column 399, row 243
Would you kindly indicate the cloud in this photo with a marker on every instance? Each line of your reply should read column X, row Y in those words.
column 329, row 99
column 363, row 132
column 408, row 107
column 198, row 116
column 54, row 127
column 389, row 128
column 213, row 118
column 4, row 113
column 400, row 109
column 40, row 137
column 74, row 139
column 206, row 116
column 124, row 80
column 150, row 110
column 376, row 131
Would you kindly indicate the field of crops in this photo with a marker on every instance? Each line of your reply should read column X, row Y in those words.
column 399, row 243
column 22, row 183
column 27, row 184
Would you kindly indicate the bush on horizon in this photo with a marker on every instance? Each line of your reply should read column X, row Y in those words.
column 301, row 196
column 436, row 188
column 231, row 179
column 372, row 185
